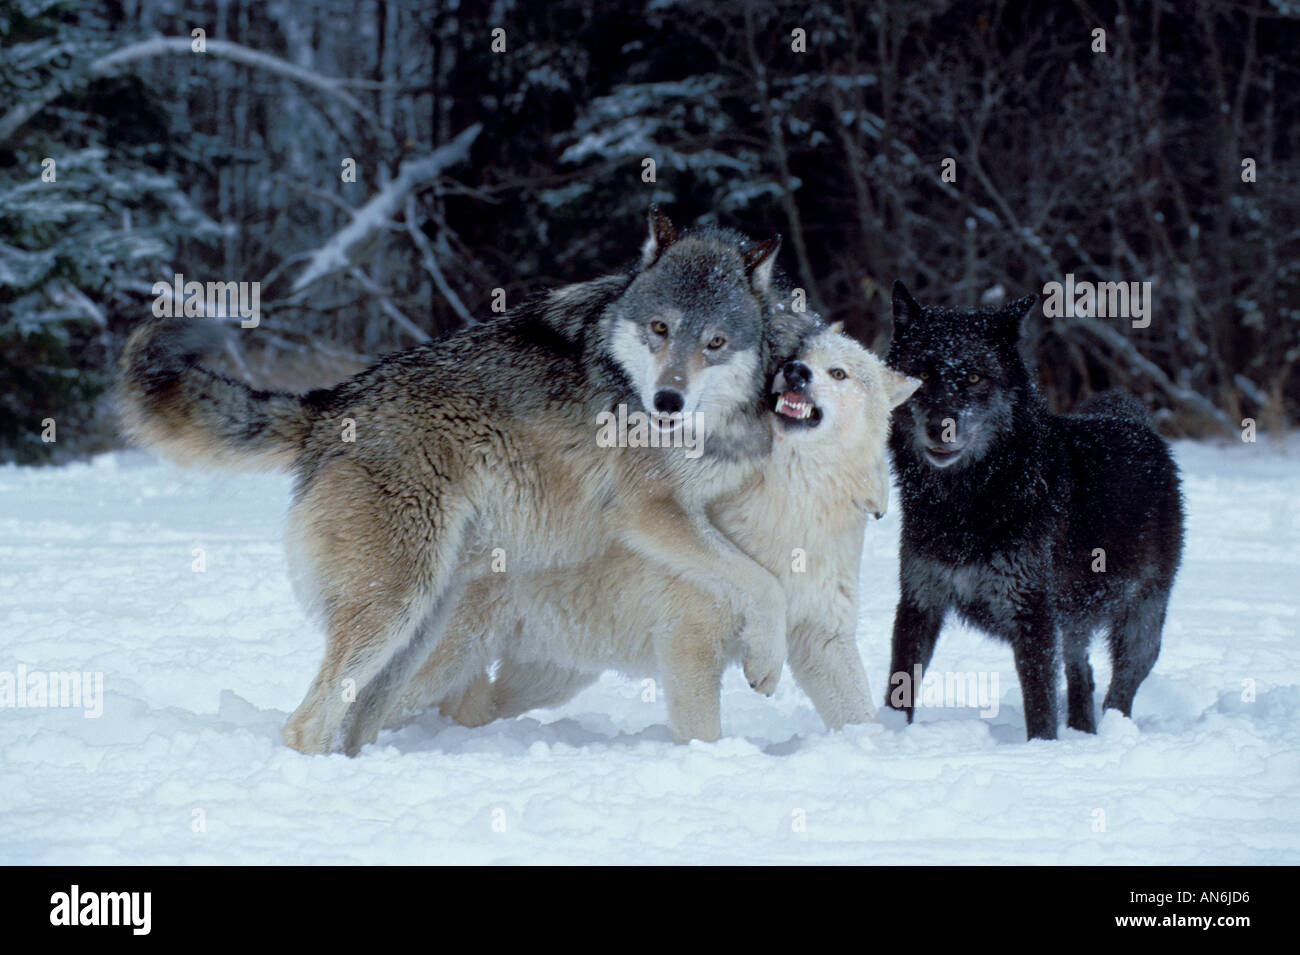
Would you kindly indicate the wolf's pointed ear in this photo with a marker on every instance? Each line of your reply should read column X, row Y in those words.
column 1022, row 308
column 1015, row 315
column 905, row 307
column 899, row 387
column 760, row 259
column 662, row 234
column 836, row 328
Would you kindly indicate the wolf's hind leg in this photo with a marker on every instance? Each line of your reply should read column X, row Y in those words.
column 1134, row 646
column 1078, row 678
column 383, row 693
column 375, row 583
column 362, row 634
column 828, row 667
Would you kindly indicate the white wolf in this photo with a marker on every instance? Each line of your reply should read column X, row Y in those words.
column 803, row 518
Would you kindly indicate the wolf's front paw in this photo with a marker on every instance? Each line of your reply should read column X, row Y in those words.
column 763, row 647
column 475, row 707
column 306, row 740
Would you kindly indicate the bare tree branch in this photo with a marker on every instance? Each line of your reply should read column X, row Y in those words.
column 158, row 46
column 1198, row 404
column 430, row 261
column 386, row 304
column 380, row 209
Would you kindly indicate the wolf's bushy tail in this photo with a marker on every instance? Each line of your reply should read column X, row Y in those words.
column 170, row 402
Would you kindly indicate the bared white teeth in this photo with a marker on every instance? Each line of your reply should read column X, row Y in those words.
column 793, row 408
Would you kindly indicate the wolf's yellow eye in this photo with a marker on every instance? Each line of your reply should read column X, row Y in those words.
column 973, row 378
column 659, row 328
column 839, row 374
column 716, row 342
column 923, row 375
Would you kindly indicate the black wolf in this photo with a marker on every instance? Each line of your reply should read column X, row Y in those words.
column 1039, row 528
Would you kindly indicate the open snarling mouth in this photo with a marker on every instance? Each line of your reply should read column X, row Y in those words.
column 796, row 410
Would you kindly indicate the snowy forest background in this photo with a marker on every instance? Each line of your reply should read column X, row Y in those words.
column 225, row 166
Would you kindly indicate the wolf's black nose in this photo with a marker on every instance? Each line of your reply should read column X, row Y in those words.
column 668, row 401
column 797, row 375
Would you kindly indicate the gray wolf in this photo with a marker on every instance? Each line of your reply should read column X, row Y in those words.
column 802, row 517
column 414, row 476
column 1040, row 529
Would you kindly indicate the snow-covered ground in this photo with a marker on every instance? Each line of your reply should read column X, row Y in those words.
column 200, row 669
